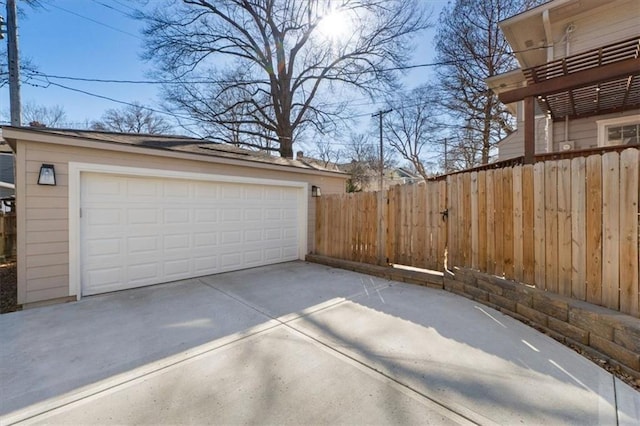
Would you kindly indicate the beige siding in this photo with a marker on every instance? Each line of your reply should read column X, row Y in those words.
column 43, row 234
column 513, row 145
column 583, row 132
column 613, row 21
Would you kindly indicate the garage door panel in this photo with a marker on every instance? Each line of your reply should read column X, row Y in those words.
column 252, row 236
column 148, row 273
column 142, row 244
column 253, row 193
column 206, row 240
column 205, row 263
column 289, row 214
column 272, row 254
column 290, row 252
column 104, row 279
column 103, row 217
column 253, row 215
column 178, row 267
column 177, row 189
column 104, row 246
column 273, row 194
column 177, row 242
column 177, row 216
column 143, row 216
column 253, row 257
column 231, row 260
column 167, row 229
column 141, row 189
column 231, row 192
column 273, row 234
column 205, row 216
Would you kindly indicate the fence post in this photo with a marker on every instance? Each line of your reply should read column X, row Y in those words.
column 382, row 227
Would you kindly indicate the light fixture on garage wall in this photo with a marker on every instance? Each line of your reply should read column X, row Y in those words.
column 47, row 175
column 315, row 191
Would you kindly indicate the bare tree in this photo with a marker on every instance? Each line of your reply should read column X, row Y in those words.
column 43, row 116
column 326, row 151
column 363, row 152
column 289, row 55
column 133, row 118
column 473, row 48
column 412, row 126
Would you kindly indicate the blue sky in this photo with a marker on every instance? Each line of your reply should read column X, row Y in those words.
column 104, row 43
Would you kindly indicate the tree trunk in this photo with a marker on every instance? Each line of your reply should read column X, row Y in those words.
column 286, row 146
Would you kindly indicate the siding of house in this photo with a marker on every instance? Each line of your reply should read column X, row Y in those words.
column 613, row 21
column 6, row 173
column 513, row 145
column 583, row 132
column 43, row 225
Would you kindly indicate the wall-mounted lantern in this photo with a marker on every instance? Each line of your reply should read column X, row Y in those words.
column 315, row 191
column 47, row 175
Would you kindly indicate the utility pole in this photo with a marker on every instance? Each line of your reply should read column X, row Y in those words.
column 14, row 64
column 381, row 219
column 446, row 159
column 380, row 114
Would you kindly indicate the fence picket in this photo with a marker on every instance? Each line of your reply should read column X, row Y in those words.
column 507, row 217
column 594, row 229
column 482, row 220
column 518, row 235
column 539, row 226
column 491, row 231
column 473, row 217
column 578, row 228
column 611, row 230
column 498, row 224
column 528, row 225
column 629, row 220
column 564, row 227
column 551, row 225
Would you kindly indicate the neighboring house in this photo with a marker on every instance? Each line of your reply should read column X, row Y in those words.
column 362, row 176
column 130, row 210
column 579, row 82
column 365, row 178
column 6, row 170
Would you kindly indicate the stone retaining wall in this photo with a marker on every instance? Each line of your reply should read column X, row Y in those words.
column 602, row 332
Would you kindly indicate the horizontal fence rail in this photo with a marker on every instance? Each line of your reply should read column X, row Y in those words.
column 568, row 226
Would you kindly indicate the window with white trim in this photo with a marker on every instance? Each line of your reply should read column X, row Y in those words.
column 619, row 131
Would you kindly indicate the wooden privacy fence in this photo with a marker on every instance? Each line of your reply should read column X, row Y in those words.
column 567, row 226
column 7, row 235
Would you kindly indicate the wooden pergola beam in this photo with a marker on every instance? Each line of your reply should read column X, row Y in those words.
column 574, row 80
column 529, row 130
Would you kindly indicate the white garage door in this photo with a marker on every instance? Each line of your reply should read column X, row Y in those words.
column 138, row 231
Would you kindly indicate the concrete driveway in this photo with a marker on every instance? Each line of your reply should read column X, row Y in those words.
column 294, row 343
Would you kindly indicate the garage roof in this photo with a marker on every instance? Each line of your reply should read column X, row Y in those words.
column 175, row 143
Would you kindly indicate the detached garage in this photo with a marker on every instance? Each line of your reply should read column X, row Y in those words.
column 118, row 211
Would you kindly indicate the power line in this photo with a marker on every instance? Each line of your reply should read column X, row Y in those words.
column 95, row 95
column 120, row 11
column 117, row 81
column 258, row 81
column 95, row 21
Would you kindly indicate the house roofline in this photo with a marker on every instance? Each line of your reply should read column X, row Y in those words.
column 532, row 12
column 13, row 134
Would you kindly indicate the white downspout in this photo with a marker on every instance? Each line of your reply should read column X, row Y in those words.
column 550, row 57
column 567, row 52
